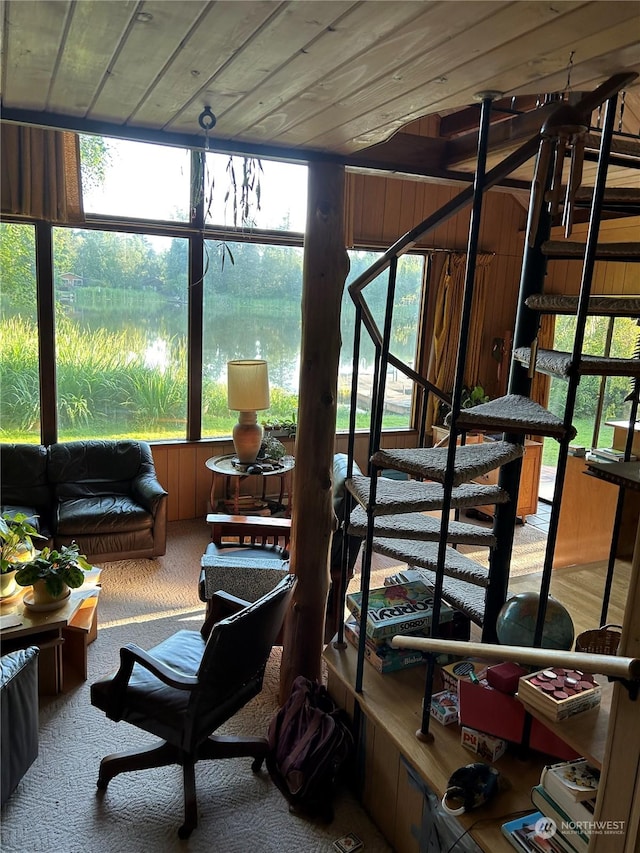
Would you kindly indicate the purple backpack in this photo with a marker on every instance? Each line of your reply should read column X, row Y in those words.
column 309, row 744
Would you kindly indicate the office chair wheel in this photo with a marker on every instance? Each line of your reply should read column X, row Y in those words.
column 256, row 764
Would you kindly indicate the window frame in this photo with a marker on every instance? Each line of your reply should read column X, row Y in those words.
column 197, row 231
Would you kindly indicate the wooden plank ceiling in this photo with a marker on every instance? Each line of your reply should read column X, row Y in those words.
column 336, row 76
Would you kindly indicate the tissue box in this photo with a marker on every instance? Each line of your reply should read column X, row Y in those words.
column 486, row 746
column 444, row 707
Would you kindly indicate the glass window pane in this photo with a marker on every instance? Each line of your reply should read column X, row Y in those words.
column 591, row 389
column 406, row 317
column 251, row 310
column 121, row 335
column 19, row 382
column 135, row 180
column 276, row 194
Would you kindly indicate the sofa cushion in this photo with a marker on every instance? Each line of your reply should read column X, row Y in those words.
column 100, row 514
column 94, row 463
column 24, row 482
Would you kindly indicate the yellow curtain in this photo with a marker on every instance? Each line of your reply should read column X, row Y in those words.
column 40, row 174
column 446, row 327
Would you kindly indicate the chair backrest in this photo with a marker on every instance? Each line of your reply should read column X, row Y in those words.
column 234, row 660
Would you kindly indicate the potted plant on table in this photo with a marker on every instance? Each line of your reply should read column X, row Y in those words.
column 16, row 548
column 53, row 572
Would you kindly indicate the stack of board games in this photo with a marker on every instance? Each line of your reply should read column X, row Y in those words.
column 403, row 608
column 558, row 693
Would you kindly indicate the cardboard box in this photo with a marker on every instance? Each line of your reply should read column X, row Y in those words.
column 484, row 745
column 462, row 669
column 488, row 710
column 444, row 707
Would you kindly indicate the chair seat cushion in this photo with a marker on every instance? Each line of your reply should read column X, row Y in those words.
column 148, row 702
column 101, row 515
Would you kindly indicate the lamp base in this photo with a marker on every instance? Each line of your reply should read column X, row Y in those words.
column 247, row 437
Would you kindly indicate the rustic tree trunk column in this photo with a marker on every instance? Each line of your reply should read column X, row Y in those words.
column 326, row 265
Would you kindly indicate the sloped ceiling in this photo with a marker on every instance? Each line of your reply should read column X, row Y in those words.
column 335, row 77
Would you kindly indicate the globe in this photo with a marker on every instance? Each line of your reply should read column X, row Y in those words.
column 516, row 622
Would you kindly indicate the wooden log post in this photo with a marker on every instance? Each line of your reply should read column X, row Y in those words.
column 326, row 265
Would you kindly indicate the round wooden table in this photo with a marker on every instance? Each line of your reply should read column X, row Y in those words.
column 234, row 474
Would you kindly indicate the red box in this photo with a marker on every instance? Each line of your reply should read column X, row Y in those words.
column 505, row 676
column 488, row 710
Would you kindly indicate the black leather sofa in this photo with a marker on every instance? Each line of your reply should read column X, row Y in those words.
column 18, row 717
column 104, row 495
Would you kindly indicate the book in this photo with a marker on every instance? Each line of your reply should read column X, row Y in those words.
column 380, row 654
column 529, row 834
column 571, row 781
column 559, row 693
column 572, row 832
column 402, row 608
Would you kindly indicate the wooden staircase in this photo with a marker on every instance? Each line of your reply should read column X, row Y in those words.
column 389, row 512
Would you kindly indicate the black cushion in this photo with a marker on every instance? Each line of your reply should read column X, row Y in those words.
column 101, row 515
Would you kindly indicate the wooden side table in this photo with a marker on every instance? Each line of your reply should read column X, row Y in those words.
column 222, row 466
column 62, row 636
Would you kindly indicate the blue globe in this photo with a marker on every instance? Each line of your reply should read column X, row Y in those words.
column 516, row 622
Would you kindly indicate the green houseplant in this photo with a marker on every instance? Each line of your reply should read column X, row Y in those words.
column 16, row 548
column 52, row 572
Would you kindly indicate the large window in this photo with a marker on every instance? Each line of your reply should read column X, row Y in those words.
column 125, row 299
column 19, row 376
column 121, row 334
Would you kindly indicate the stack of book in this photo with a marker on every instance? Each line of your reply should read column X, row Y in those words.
column 608, row 454
column 404, row 608
column 567, row 795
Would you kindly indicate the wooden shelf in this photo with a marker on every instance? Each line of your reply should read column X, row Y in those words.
column 391, row 705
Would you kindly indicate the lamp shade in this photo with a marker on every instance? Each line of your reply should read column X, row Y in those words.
column 247, row 385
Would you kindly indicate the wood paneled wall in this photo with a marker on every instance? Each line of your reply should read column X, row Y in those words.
column 613, row 279
column 382, row 209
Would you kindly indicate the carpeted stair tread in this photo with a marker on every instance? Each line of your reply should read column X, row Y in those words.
column 558, row 363
column 466, row 597
column 401, row 496
column 513, row 413
column 415, row 525
column 425, row 555
column 471, row 461
column 569, row 250
column 622, row 199
column 603, row 306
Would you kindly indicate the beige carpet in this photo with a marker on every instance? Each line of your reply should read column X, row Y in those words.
column 56, row 809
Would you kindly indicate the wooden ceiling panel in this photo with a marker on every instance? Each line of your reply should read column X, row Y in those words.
column 286, row 32
column 354, row 33
column 380, row 76
column 323, row 75
column 33, row 33
column 94, row 33
column 148, row 49
column 495, row 68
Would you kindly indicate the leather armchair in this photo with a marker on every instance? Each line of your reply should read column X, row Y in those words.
column 107, row 499
column 18, row 717
column 183, row 689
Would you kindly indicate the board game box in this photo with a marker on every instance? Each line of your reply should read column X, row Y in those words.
column 402, row 608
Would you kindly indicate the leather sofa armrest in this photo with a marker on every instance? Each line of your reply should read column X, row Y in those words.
column 148, row 492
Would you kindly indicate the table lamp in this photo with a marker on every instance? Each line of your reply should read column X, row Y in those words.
column 247, row 391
